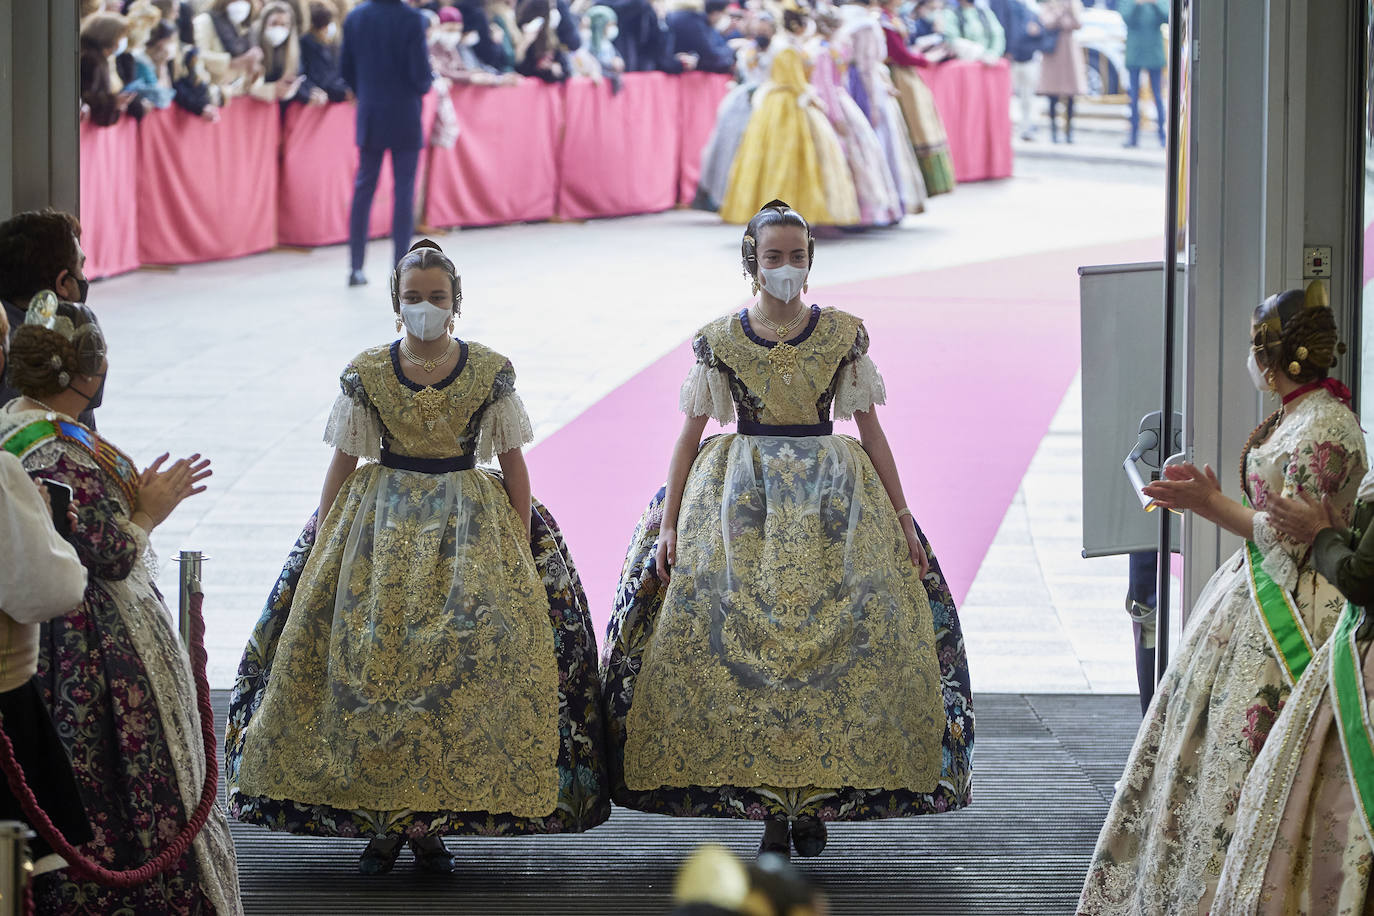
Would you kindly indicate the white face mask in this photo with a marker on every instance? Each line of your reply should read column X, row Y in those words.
column 785, row 282
column 1256, row 373
column 276, row 35
column 450, row 40
column 331, row 31
column 425, row 321
column 122, row 46
column 612, row 33
column 555, row 17
column 470, row 39
column 238, row 11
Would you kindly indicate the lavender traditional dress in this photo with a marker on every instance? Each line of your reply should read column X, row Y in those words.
column 870, row 86
column 879, row 202
column 732, row 119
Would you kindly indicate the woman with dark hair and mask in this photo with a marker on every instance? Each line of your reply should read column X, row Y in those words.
column 425, row 665
column 113, row 673
column 783, row 646
column 1253, row 631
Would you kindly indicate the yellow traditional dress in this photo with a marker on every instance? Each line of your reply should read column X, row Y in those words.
column 796, row 663
column 414, row 686
column 790, row 152
column 923, row 122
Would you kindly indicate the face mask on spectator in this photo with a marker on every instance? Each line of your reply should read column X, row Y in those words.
column 451, row 40
column 470, row 39
column 122, row 46
column 612, row 33
column 331, row 31
column 555, row 17
column 238, row 11
column 276, row 35
column 425, row 321
column 1256, row 373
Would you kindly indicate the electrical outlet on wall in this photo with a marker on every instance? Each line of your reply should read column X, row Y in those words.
column 1316, row 262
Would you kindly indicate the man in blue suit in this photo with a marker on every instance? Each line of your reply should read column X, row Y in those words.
column 697, row 29
column 385, row 61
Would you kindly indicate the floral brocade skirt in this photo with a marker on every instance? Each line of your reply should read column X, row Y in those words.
column 1166, row 836
column 583, row 798
column 794, row 596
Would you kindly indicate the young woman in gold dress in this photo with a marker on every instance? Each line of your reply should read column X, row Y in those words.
column 425, row 664
column 783, row 646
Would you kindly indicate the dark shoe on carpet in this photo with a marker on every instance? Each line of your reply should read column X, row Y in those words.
column 432, row 855
column 808, row 836
column 357, row 278
column 380, row 855
column 776, row 838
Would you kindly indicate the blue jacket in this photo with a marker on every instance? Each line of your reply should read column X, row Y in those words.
column 692, row 34
column 320, row 67
column 1016, row 17
column 385, row 61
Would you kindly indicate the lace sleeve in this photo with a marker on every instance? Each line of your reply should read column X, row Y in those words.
column 706, row 393
column 858, row 385
column 505, row 424
column 354, row 425
column 1320, row 467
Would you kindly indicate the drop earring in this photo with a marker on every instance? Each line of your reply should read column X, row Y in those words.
column 754, row 283
column 398, row 324
column 803, row 287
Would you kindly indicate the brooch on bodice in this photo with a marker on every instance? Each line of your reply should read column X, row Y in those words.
column 784, row 360
column 431, row 403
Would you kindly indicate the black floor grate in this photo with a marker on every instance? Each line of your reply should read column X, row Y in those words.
column 1043, row 773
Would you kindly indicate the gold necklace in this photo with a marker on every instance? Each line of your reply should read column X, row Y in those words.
column 427, row 364
column 786, row 328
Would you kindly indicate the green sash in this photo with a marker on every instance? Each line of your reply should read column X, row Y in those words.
column 1352, row 711
column 1287, row 633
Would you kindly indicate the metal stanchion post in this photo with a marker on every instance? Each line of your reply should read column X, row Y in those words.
column 15, row 866
column 190, row 561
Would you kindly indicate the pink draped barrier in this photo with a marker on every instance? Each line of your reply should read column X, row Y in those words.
column 318, row 161
column 175, row 189
column 620, row 149
column 109, row 198
column 208, row 191
column 699, row 95
column 504, row 167
column 974, row 100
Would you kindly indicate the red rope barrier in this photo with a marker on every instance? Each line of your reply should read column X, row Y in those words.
column 83, row 867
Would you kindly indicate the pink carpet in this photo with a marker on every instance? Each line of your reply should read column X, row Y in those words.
column 976, row 358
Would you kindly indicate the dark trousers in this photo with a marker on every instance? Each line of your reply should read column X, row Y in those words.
column 1142, row 586
column 1134, row 90
column 403, row 163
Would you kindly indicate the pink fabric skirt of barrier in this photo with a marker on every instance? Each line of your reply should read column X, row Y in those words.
column 504, row 167
column 318, row 162
column 699, row 95
column 974, row 100
column 109, row 198
column 620, row 150
column 208, row 191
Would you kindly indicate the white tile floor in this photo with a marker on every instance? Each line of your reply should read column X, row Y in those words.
column 240, row 359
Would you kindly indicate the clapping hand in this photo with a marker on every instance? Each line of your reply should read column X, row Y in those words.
column 1184, row 487
column 1303, row 518
column 162, row 491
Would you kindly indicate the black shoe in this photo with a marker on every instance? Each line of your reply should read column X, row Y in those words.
column 776, row 837
column 432, row 855
column 380, row 855
column 357, row 278
column 809, row 836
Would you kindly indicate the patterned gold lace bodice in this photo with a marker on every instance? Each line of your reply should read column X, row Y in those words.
column 481, row 377
column 760, row 392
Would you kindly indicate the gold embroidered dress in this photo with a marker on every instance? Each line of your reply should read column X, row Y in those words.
column 796, row 662
column 1166, row 836
column 419, row 667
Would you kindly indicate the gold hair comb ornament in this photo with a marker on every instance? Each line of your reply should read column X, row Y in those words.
column 1317, row 296
column 42, row 310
